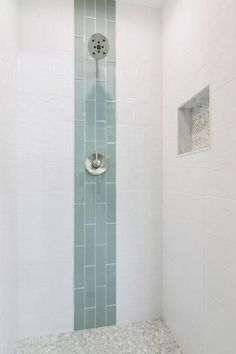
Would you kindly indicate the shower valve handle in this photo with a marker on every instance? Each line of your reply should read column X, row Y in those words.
column 96, row 164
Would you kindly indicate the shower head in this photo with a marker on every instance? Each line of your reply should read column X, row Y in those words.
column 98, row 46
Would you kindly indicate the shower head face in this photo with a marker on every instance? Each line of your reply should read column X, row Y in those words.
column 98, row 46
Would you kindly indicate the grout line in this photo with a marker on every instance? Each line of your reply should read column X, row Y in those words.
column 79, row 37
column 90, row 266
column 105, row 115
column 91, row 141
column 100, row 286
column 85, row 187
column 95, row 199
column 81, row 288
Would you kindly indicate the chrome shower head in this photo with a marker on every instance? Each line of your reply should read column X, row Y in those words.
column 98, row 46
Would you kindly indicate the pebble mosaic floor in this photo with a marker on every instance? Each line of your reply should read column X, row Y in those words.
column 149, row 337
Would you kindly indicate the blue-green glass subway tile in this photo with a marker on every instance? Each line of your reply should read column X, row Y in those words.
column 100, row 266
column 100, row 16
column 79, row 187
column 100, row 189
column 90, row 69
column 100, row 307
column 79, row 17
column 90, row 121
column 90, row 318
column 79, row 166
column 100, row 101
column 79, row 309
column 111, row 114
column 79, row 137
column 111, row 35
column 100, row 131
column 79, row 225
column 111, row 284
column 90, row 8
column 90, row 178
column 111, row 315
column 111, row 243
column 101, row 147
column 79, row 100
column 89, row 286
column 111, row 203
column 111, row 156
column 89, row 245
column 79, row 141
column 90, row 148
column 90, row 204
column 110, row 81
column 111, row 10
column 100, row 70
column 79, row 267
column 100, row 224
column 90, row 89
column 79, row 57
column 111, row 134
column 89, row 31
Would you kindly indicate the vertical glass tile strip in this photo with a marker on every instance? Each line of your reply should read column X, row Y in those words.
column 95, row 197
column 110, row 178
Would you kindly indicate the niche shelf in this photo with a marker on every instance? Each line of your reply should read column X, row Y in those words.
column 194, row 124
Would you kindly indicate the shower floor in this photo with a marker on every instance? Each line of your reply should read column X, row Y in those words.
column 149, row 337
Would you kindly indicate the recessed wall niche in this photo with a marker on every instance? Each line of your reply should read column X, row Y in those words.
column 194, row 123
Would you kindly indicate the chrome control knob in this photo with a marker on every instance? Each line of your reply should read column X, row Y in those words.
column 96, row 164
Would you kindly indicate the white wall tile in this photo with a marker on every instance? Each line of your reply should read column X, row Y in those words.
column 139, row 163
column 199, row 189
column 45, row 167
column 8, row 177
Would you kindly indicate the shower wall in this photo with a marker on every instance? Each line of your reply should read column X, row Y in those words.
column 45, row 167
column 139, row 163
column 8, row 176
column 46, row 129
column 199, row 206
column 95, row 196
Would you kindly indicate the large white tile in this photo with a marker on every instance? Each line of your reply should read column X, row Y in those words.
column 8, row 176
column 139, row 163
column 45, row 167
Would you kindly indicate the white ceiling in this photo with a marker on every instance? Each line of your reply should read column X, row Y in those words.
column 151, row 3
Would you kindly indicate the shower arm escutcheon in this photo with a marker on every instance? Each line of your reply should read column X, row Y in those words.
column 96, row 164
